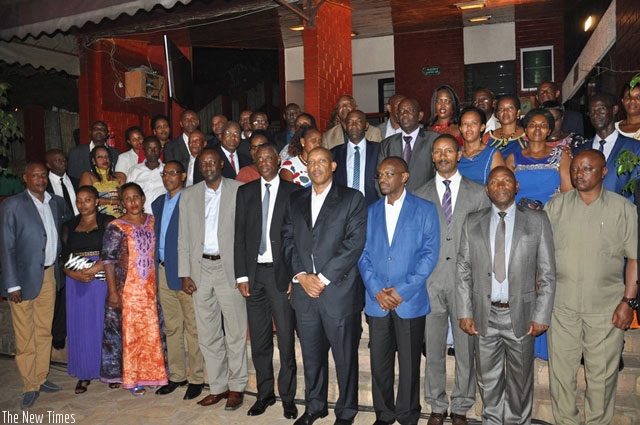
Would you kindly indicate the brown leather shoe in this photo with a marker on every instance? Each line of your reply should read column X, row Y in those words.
column 457, row 419
column 234, row 401
column 213, row 398
column 436, row 418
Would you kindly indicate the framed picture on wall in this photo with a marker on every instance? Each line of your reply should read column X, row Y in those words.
column 536, row 66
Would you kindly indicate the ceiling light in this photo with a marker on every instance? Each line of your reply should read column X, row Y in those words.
column 354, row 34
column 480, row 18
column 588, row 23
column 297, row 27
column 469, row 5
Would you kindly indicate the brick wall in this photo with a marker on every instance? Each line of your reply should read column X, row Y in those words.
column 537, row 33
column 627, row 48
column 327, row 61
column 430, row 48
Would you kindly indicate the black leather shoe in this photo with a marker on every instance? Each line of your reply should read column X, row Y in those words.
column 170, row 387
column 290, row 409
column 193, row 391
column 309, row 418
column 261, row 405
column 343, row 422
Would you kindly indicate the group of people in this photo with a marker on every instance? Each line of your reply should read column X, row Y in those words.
column 494, row 229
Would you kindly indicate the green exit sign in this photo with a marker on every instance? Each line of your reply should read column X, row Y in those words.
column 431, row 70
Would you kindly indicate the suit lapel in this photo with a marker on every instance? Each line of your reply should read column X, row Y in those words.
column 328, row 206
column 485, row 224
column 518, row 230
column 615, row 152
column 305, row 207
column 405, row 215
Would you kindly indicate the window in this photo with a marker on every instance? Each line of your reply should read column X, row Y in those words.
column 536, row 66
column 386, row 89
column 500, row 77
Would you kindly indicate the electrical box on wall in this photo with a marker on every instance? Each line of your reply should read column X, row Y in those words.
column 143, row 84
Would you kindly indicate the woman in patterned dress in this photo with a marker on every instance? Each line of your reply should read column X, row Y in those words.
column 294, row 168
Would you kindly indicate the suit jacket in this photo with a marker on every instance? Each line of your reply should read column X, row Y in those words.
column 22, row 243
column 79, row 160
column 421, row 168
column 176, row 150
column 170, row 241
column 280, row 139
column 340, row 175
column 249, row 230
column 333, row 245
column 612, row 181
column 471, row 197
column 407, row 262
column 74, row 182
column 192, row 227
column 383, row 129
column 532, row 253
column 227, row 170
column 336, row 136
column 573, row 122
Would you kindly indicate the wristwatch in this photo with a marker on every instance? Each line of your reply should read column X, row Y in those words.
column 632, row 302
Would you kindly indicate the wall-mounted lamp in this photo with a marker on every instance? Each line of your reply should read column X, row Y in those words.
column 588, row 23
column 480, row 18
column 470, row 5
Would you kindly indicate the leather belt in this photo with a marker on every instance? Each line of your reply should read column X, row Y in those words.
column 211, row 257
column 499, row 304
column 270, row 265
column 49, row 266
column 161, row 263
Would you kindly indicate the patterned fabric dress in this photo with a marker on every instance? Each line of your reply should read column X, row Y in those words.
column 539, row 180
column 504, row 145
column 106, row 189
column 298, row 169
column 132, row 351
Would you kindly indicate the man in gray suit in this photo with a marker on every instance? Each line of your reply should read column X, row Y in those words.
column 455, row 196
column 206, row 266
column 414, row 144
column 391, row 125
column 29, row 246
column 499, row 300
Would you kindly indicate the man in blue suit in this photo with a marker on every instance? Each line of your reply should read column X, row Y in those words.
column 177, row 306
column 401, row 251
column 356, row 160
column 603, row 108
column 29, row 247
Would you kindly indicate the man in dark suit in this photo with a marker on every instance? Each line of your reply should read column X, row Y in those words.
column 262, row 279
column 356, row 161
column 403, row 241
column 177, row 306
column 573, row 121
column 414, row 144
column 322, row 238
column 603, row 108
column 217, row 122
column 79, row 160
column 29, row 246
column 178, row 148
column 505, row 287
column 282, row 138
column 391, row 126
column 197, row 144
column 228, row 150
column 455, row 196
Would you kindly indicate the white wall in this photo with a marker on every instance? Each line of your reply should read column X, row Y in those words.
column 489, row 43
column 365, row 90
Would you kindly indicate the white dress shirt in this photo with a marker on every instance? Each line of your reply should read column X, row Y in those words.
column 317, row 200
column 500, row 291
column 454, row 186
column 235, row 158
column 56, row 184
column 126, row 161
column 211, row 214
column 392, row 214
column 150, row 181
column 608, row 146
column 362, row 145
column 391, row 131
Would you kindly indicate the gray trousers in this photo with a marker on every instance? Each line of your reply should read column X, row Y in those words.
column 225, row 353
column 504, row 365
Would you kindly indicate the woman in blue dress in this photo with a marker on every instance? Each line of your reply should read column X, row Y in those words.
column 477, row 159
column 541, row 172
column 510, row 137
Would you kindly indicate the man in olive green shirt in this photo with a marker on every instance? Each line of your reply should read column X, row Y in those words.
column 594, row 230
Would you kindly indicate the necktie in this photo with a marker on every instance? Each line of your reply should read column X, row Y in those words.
column 265, row 216
column 356, row 168
column 233, row 163
column 192, row 163
column 499, row 269
column 65, row 194
column 602, row 142
column 406, row 152
column 446, row 202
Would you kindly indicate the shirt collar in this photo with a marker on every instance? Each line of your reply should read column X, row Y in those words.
column 453, row 179
column 47, row 197
column 399, row 201
column 510, row 211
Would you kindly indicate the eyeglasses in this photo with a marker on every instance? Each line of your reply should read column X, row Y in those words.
column 232, row 133
column 172, row 173
column 253, row 148
column 444, row 100
column 259, row 122
column 385, row 175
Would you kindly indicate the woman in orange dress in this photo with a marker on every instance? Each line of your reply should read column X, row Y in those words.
column 132, row 349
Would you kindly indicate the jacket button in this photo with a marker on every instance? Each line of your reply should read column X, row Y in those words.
column 489, row 274
column 448, row 258
column 390, row 259
column 448, row 239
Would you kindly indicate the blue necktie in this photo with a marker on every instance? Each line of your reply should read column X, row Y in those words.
column 265, row 217
column 602, row 142
column 446, row 202
column 356, row 168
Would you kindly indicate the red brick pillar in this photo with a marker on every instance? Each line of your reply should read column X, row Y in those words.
column 327, row 61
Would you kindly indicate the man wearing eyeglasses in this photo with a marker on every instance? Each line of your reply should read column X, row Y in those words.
column 233, row 159
column 603, row 108
column 177, row 307
column 401, row 251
